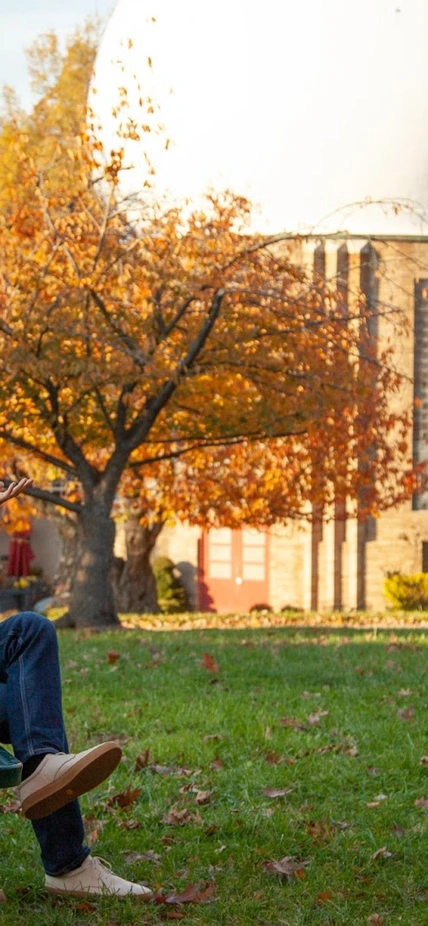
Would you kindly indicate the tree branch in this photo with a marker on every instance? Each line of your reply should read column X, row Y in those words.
column 45, row 496
column 154, row 406
column 32, row 448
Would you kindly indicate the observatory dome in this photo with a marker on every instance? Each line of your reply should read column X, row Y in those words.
column 316, row 110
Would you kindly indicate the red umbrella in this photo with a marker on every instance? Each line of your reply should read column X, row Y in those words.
column 20, row 554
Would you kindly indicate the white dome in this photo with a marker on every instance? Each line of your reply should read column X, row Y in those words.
column 303, row 106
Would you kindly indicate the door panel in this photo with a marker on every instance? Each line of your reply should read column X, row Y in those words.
column 234, row 569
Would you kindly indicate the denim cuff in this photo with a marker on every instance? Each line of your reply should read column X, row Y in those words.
column 76, row 863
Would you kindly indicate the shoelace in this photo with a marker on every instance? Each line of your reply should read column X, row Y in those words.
column 102, row 862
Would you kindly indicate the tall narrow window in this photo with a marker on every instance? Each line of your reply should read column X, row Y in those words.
column 369, row 286
column 343, row 277
column 420, row 384
column 319, row 265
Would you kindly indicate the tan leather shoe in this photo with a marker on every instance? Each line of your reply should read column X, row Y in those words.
column 95, row 879
column 62, row 777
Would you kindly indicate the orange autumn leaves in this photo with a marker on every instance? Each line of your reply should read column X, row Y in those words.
column 175, row 355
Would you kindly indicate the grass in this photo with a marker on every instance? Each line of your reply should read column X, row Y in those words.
column 339, row 716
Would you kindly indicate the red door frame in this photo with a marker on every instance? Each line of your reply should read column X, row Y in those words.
column 233, row 590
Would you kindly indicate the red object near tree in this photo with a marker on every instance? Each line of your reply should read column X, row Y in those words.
column 20, row 554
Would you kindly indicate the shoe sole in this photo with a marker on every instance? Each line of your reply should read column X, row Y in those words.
column 87, row 895
column 83, row 776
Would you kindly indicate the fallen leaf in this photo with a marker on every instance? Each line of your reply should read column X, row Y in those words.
column 124, row 798
column 324, row 897
column 131, row 855
column 272, row 758
column 142, row 760
column 341, row 824
column 130, row 825
column 209, row 663
column 277, row 792
column 163, row 770
column 151, row 856
column 167, row 840
column 212, row 736
column 376, row 919
column 372, row 770
column 217, row 764
column 293, row 722
column 94, row 835
column 174, row 915
column 406, row 713
column 423, row 760
column 398, row 831
column 10, row 807
column 315, row 719
column 319, row 830
column 193, row 893
column 3, row 898
column 112, row 656
column 86, row 907
column 177, row 817
column 421, row 802
column 381, row 853
column 203, row 797
column 287, row 867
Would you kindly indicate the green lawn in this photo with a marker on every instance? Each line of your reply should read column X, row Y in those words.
column 336, row 718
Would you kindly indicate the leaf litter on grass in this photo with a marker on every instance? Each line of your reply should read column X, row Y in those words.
column 325, row 789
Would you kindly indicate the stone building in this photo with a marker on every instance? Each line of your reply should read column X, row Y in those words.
column 338, row 563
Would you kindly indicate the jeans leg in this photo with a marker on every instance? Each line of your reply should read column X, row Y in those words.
column 29, row 667
column 30, row 674
column 60, row 837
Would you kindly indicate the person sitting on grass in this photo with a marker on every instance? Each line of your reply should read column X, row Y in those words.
column 31, row 720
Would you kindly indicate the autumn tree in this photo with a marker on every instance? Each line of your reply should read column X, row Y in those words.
column 60, row 82
column 145, row 346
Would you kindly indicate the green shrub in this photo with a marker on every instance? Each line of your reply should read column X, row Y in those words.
column 407, row 592
column 171, row 592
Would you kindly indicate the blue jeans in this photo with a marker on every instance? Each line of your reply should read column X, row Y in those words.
column 31, row 720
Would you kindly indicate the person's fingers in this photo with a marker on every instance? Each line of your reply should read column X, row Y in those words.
column 14, row 488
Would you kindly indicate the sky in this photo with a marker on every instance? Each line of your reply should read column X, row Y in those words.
column 22, row 21
column 306, row 107
column 300, row 117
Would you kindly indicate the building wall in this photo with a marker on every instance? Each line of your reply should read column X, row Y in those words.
column 350, row 563
column 180, row 544
column 45, row 543
column 343, row 564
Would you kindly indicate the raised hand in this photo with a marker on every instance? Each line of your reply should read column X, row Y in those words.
column 14, row 489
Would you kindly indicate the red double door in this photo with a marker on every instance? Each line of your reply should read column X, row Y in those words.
column 233, row 570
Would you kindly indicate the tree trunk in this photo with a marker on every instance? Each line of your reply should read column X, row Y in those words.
column 136, row 586
column 92, row 601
